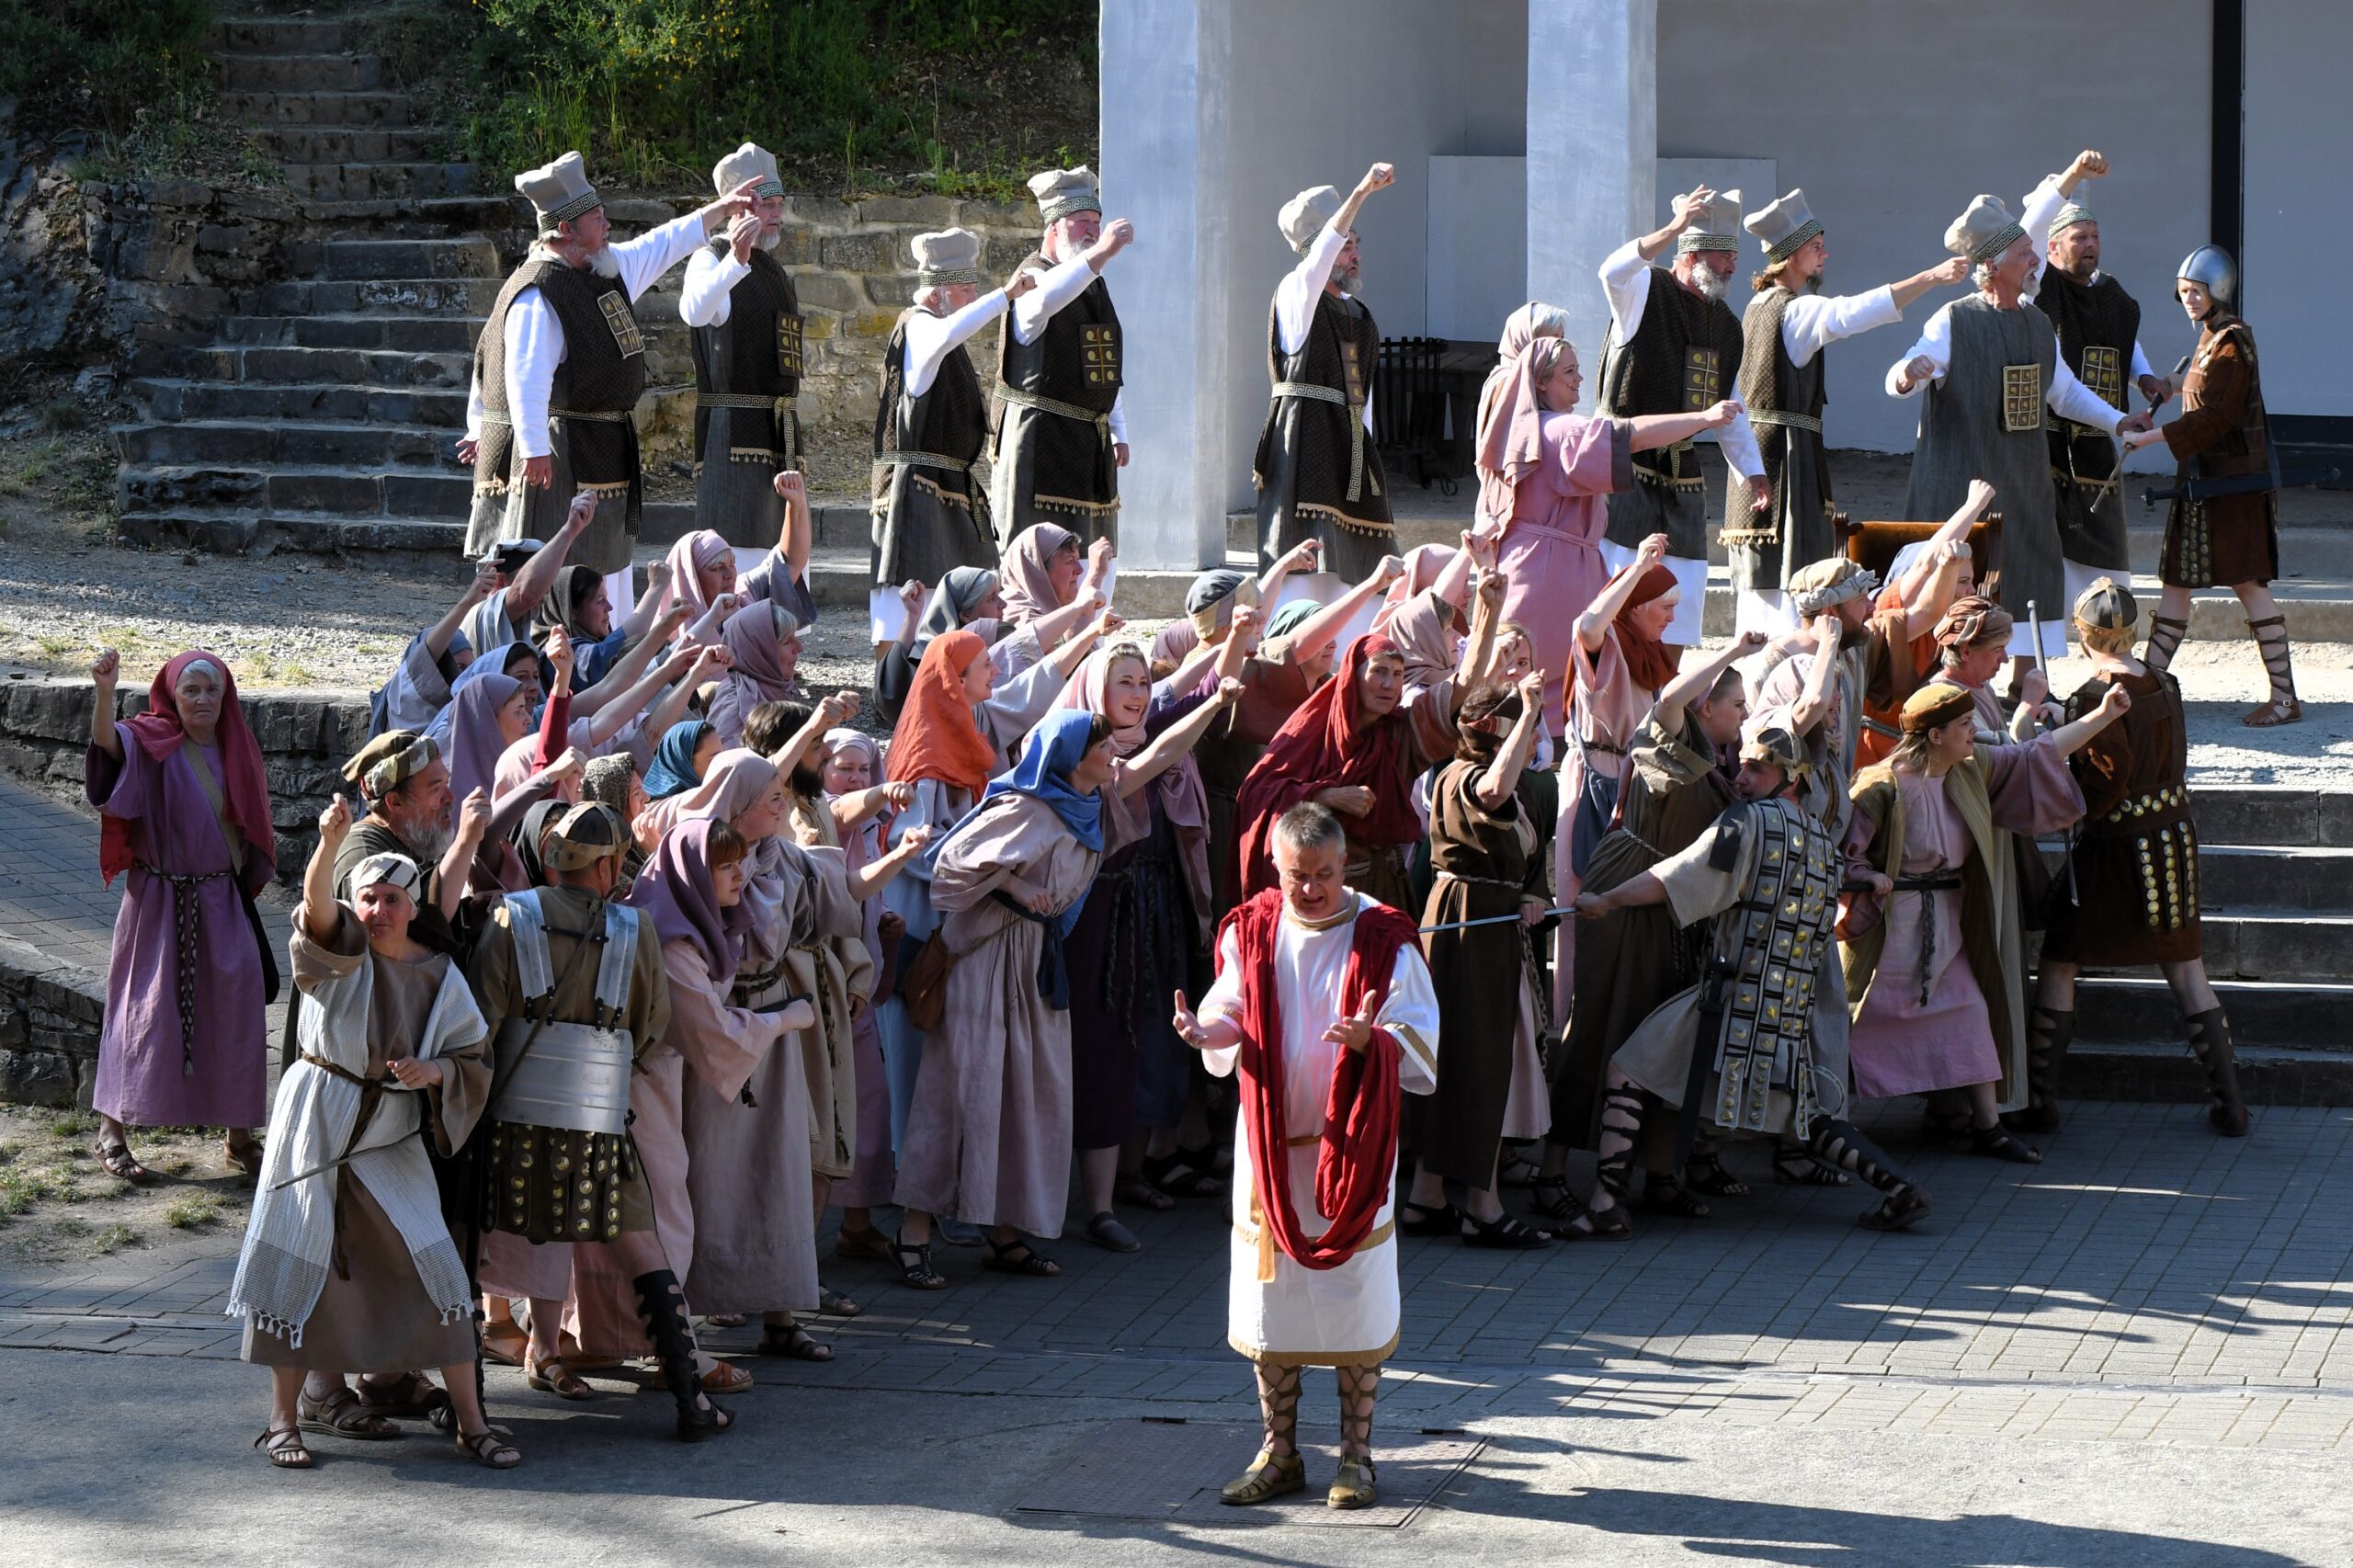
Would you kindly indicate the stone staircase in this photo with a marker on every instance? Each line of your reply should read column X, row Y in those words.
column 324, row 413
column 2275, row 874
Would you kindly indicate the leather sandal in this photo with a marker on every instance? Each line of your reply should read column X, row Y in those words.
column 1418, row 1219
column 1018, row 1256
column 1899, row 1211
column 245, row 1156
column 834, row 1304
column 123, row 1165
column 551, row 1376
column 490, row 1451
column 793, row 1342
column 412, row 1397
column 282, row 1447
column 504, row 1343
column 865, row 1242
column 725, row 1377
column 1503, row 1232
column 340, row 1415
column 915, row 1270
column 1270, row 1475
column 1997, row 1143
column 1353, row 1488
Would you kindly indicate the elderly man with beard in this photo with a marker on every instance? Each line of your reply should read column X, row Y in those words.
column 1783, row 377
column 1993, row 368
column 2099, row 339
column 1317, row 468
column 1061, row 439
column 1675, row 347
column 559, row 367
column 747, row 321
column 411, row 812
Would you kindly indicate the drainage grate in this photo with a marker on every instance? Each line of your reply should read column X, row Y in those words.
column 1157, row 1469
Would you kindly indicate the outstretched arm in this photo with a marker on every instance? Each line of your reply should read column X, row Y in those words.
column 1926, row 589
column 1502, row 776
column 1594, row 624
column 438, row 635
column 319, row 912
column 473, row 823
column 1693, row 682
column 1812, row 705
column 1176, row 740
column 1315, row 633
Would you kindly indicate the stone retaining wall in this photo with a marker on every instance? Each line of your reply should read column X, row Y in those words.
column 45, row 728
column 49, row 1015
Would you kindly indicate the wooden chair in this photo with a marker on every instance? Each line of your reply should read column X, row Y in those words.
column 1874, row 544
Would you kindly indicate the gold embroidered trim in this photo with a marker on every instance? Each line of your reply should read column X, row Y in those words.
column 1070, row 504
column 1318, row 1357
column 1354, row 525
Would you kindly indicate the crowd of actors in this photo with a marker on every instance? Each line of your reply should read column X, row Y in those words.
column 631, row 960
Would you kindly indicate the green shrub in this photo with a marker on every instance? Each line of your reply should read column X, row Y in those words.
column 96, row 64
column 651, row 90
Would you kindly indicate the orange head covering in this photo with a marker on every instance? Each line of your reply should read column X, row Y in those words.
column 936, row 737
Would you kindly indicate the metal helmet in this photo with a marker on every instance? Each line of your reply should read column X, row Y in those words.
column 2212, row 267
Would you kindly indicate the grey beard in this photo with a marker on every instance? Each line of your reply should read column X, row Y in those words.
column 431, row 840
column 1345, row 282
column 605, row 264
column 1706, row 284
column 769, row 242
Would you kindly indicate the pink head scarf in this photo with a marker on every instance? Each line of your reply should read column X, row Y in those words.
column 704, row 547
column 675, row 891
column 245, row 785
column 1024, row 582
column 1128, row 818
column 1511, row 430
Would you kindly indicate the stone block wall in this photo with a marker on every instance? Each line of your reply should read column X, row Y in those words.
column 45, row 728
column 50, row 1016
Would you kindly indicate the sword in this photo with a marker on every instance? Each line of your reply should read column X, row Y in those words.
column 332, row 1164
column 2034, row 628
column 2242, row 484
column 1494, row 919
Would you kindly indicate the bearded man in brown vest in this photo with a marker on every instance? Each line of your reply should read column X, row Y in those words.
column 559, row 367
column 746, row 322
column 1061, row 439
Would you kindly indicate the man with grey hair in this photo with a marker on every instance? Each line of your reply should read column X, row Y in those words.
column 2099, row 339
column 559, row 367
column 1992, row 369
column 747, row 321
column 1061, row 438
column 1317, row 468
column 929, row 517
column 1788, row 324
column 1675, row 347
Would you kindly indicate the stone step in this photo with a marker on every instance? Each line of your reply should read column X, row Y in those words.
column 253, row 444
column 2164, row 1072
column 337, row 260
column 2275, row 946
column 239, row 531
column 2276, row 879
column 468, row 297
column 2305, row 1017
column 372, row 182
column 302, row 365
column 167, row 398
column 469, row 215
column 254, row 72
column 402, row 493
column 313, row 143
column 2274, row 813
column 366, row 109
column 407, row 334
column 285, row 35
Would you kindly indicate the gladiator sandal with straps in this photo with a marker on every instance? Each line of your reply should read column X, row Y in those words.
column 2049, row 1034
column 2209, row 1037
column 663, row 1307
column 1279, row 1470
column 2165, row 635
column 1841, row 1145
column 1353, row 1488
column 2280, row 707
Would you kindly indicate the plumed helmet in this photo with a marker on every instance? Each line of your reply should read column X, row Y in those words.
column 2212, row 267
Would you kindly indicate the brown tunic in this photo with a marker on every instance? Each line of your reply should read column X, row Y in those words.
column 2222, row 432
column 1237, row 737
column 374, row 1314
column 1485, row 861
column 1631, row 961
column 2136, row 858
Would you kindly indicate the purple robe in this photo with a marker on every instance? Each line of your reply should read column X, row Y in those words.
column 173, row 830
column 1550, row 550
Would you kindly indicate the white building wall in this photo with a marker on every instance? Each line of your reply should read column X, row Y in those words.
column 2299, row 126
column 1892, row 114
column 1320, row 90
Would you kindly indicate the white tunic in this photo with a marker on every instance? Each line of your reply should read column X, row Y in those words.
column 1342, row 1316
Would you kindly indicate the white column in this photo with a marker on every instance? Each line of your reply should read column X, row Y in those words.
column 1592, row 150
column 1165, row 87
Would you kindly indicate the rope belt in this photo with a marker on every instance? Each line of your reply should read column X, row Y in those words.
column 599, row 416
column 926, row 459
column 1783, row 417
column 743, row 400
column 1925, row 884
column 1316, row 392
column 1102, row 422
column 184, row 922
column 345, row 1073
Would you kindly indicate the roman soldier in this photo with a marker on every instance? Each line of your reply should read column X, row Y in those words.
column 559, row 367
column 1783, row 378
column 929, row 427
column 746, row 322
column 2099, row 339
column 1318, row 468
column 1061, row 439
column 1995, row 368
column 1675, row 347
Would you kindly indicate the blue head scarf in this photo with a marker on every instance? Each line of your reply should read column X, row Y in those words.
column 673, row 760
column 1052, row 749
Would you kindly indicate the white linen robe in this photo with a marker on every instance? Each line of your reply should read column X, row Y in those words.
column 1309, row 1317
